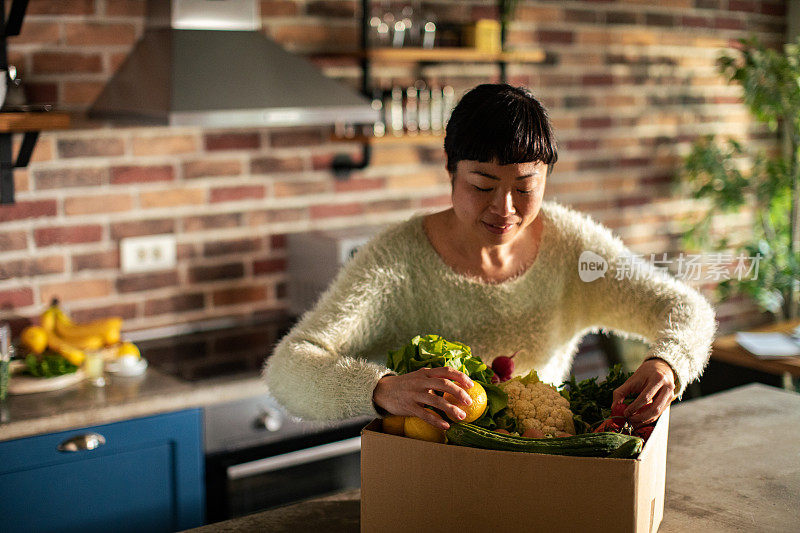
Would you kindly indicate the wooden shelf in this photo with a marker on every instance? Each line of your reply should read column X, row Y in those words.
column 29, row 120
column 22, row 122
column 393, row 139
column 29, row 124
column 464, row 55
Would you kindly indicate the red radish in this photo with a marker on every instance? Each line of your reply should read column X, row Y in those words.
column 503, row 366
column 608, row 425
column 644, row 432
column 618, row 409
column 533, row 434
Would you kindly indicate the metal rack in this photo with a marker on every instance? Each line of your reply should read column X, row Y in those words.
column 27, row 120
column 344, row 164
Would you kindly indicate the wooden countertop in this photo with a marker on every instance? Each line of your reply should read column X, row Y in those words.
column 732, row 465
column 726, row 349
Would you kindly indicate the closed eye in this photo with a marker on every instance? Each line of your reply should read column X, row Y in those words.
column 528, row 191
column 482, row 190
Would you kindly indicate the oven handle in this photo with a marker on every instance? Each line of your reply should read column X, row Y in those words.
column 286, row 460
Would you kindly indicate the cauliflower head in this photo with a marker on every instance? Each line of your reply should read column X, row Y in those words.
column 538, row 405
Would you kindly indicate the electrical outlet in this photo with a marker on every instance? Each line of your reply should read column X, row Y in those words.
column 152, row 252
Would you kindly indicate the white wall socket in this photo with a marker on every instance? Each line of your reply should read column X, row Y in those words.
column 152, row 252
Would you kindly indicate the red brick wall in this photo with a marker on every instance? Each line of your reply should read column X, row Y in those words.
column 629, row 85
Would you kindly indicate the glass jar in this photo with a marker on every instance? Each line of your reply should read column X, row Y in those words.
column 94, row 368
column 6, row 352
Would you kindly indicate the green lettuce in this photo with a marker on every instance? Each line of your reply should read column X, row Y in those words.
column 434, row 351
column 531, row 378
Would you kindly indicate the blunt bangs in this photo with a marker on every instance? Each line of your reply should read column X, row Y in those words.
column 498, row 122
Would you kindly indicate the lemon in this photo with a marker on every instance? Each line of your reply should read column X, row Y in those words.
column 394, row 425
column 34, row 338
column 474, row 410
column 128, row 348
column 417, row 428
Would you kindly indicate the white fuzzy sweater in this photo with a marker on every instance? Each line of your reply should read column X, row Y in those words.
column 397, row 286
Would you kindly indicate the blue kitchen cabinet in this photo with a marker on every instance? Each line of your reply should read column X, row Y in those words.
column 147, row 476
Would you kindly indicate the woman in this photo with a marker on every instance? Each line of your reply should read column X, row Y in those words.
column 498, row 271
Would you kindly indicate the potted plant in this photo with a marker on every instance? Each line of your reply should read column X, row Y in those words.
column 728, row 176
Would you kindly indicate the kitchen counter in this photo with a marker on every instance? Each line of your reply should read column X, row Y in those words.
column 732, row 465
column 122, row 398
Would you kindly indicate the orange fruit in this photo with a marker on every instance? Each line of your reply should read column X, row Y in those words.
column 474, row 410
column 393, row 425
column 417, row 428
column 128, row 348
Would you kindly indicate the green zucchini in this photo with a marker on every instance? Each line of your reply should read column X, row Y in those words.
column 586, row 445
column 628, row 450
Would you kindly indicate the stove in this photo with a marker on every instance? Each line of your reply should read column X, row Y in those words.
column 232, row 351
column 257, row 456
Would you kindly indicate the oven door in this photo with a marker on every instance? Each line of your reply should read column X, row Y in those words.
column 292, row 461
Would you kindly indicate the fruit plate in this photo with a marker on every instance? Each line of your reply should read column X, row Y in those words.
column 21, row 384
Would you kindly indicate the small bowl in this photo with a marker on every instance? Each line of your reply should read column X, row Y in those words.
column 127, row 365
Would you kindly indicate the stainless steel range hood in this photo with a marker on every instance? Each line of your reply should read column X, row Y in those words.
column 205, row 63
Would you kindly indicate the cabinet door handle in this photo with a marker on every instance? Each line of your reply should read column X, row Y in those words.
column 87, row 441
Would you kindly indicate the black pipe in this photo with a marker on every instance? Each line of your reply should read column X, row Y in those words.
column 344, row 164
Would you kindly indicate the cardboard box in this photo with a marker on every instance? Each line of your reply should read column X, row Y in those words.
column 412, row 485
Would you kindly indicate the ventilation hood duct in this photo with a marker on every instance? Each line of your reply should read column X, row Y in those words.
column 205, row 63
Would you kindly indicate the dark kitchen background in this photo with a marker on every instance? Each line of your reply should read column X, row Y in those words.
column 629, row 85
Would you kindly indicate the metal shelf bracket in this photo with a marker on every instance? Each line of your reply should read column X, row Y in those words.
column 10, row 27
column 343, row 164
column 8, row 164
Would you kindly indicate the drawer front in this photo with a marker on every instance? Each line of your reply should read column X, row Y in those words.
column 42, row 450
column 147, row 476
column 83, row 496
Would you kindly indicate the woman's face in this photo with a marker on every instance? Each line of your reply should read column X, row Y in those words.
column 496, row 203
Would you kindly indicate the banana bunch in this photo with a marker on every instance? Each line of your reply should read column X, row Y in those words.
column 68, row 339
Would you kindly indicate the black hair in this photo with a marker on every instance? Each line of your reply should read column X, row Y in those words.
column 496, row 121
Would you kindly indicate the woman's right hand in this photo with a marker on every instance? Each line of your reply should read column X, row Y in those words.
column 410, row 394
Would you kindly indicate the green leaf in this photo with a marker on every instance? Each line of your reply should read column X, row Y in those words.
column 433, row 351
column 49, row 364
column 728, row 178
column 589, row 401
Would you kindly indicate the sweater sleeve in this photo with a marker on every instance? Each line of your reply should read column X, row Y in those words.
column 321, row 370
column 635, row 298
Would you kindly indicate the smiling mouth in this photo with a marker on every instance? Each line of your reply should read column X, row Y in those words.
column 498, row 228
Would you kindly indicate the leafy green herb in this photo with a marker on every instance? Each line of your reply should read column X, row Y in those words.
column 433, row 351
column 49, row 365
column 728, row 176
column 589, row 401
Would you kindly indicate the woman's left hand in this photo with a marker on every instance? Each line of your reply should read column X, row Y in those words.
column 654, row 382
